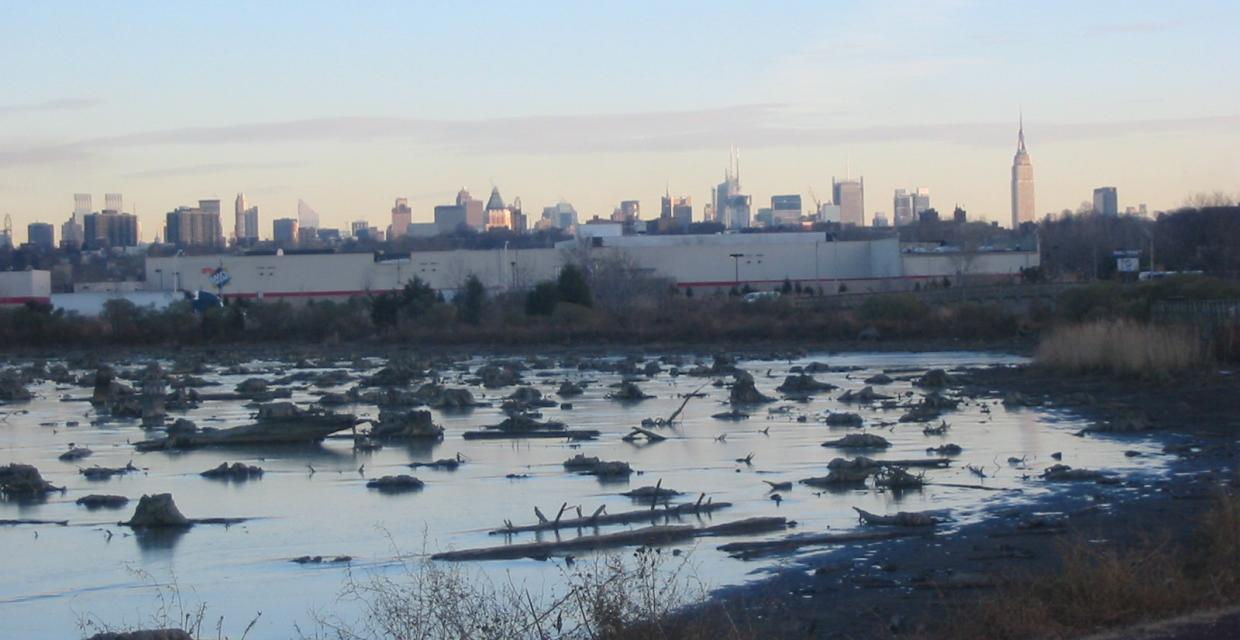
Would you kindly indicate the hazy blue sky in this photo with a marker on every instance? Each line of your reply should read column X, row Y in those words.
column 349, row 107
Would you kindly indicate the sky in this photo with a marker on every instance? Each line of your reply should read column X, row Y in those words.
column 351, row 105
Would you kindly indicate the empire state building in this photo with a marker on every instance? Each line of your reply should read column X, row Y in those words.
column 1022, row 183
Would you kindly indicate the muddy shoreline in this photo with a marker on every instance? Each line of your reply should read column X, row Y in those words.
column 908, row 586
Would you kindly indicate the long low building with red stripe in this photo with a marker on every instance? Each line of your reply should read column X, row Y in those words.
column 702, row 262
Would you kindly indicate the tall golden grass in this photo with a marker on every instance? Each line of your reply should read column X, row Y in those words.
column 1122, row 347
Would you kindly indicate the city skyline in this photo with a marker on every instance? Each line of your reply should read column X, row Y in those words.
column 350, row 142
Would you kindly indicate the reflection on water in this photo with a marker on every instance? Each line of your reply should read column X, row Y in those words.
column 313, row 500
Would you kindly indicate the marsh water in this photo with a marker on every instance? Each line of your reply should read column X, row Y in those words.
column 54, row 576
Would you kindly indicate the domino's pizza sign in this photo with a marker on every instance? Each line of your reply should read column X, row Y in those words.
column 219, row 278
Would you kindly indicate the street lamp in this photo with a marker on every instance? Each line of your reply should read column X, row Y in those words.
column 736, row 268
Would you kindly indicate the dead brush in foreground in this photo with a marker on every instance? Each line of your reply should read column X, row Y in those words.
column 1099, row 588
column 648, row 595
column 1122, row 347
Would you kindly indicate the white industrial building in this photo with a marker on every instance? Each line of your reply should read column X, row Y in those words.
column 20, row 287
column 702, row 262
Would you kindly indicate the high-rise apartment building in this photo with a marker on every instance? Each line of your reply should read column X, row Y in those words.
column 195, row 226
column 849, row 194
column 786, row 210
column 41, row 235
column 675, row 212
column 1106, row 201
column 908, row 205
column 285, row 231
column 1022, row 182
column 109, row 229
column 449, row 217
column 402, row 215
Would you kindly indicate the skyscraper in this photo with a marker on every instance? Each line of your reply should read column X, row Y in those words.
column 497, row 214
column 307, row 217
column 786, row 210
column 239, row 218
column 195, row 226
column 402, row 215
column 1022, row 182
column 474, row 213
column 731, row 208
column 1106, row 201
column 113, row 202
column 849, row 194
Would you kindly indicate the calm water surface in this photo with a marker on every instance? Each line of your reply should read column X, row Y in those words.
column 54, row 575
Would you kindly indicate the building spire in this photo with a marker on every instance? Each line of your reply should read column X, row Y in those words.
column 1020, row 140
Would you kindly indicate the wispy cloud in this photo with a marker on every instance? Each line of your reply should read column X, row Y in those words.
column 751, row 126
column 203, row 169
column 60, row 104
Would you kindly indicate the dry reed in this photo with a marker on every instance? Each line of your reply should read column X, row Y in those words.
column 1122, row 347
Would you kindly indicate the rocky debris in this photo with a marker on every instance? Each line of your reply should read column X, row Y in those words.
column 841, row 476
column 744, row 392
column 879, row 378
column 921, row 413
column 866, row 395
column 332, row 378
column 144, row 634
column 593, row 466
column 897, row 478
column 494, row 376
column 530, row 396
column 651, row 493
column 628, row 392
column 252, row 387
column 277, row 423
column 946, row 450
column 901, row 519
column 157, row 511
column 105, row 473
column 569, row 389
column 733, row 415
column 387, row 397
column 939, row 402
column 859, row 441
column 932, row 379
column 803, row 384
column 842, row 419
column 181, row 399
column 1065, row 473
column 74, row 453
column 12, row 388
column 395, row 374
column 940, row 430
column 182, row 426
column 333, row 399
column 322, row 559
column 439, row 397
column 23, row 481
column 723, row 365
column 447, row 464
column 102, row 501
column 236, row 472
column 396, row 484
column 411, row 424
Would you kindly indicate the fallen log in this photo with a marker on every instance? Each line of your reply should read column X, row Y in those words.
column 569, row 434
column 278, row 423
column 600, row 519
column 58, row 523
column 901, row 519
column 639, row 432
column 654, row 535
column 747, row 550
